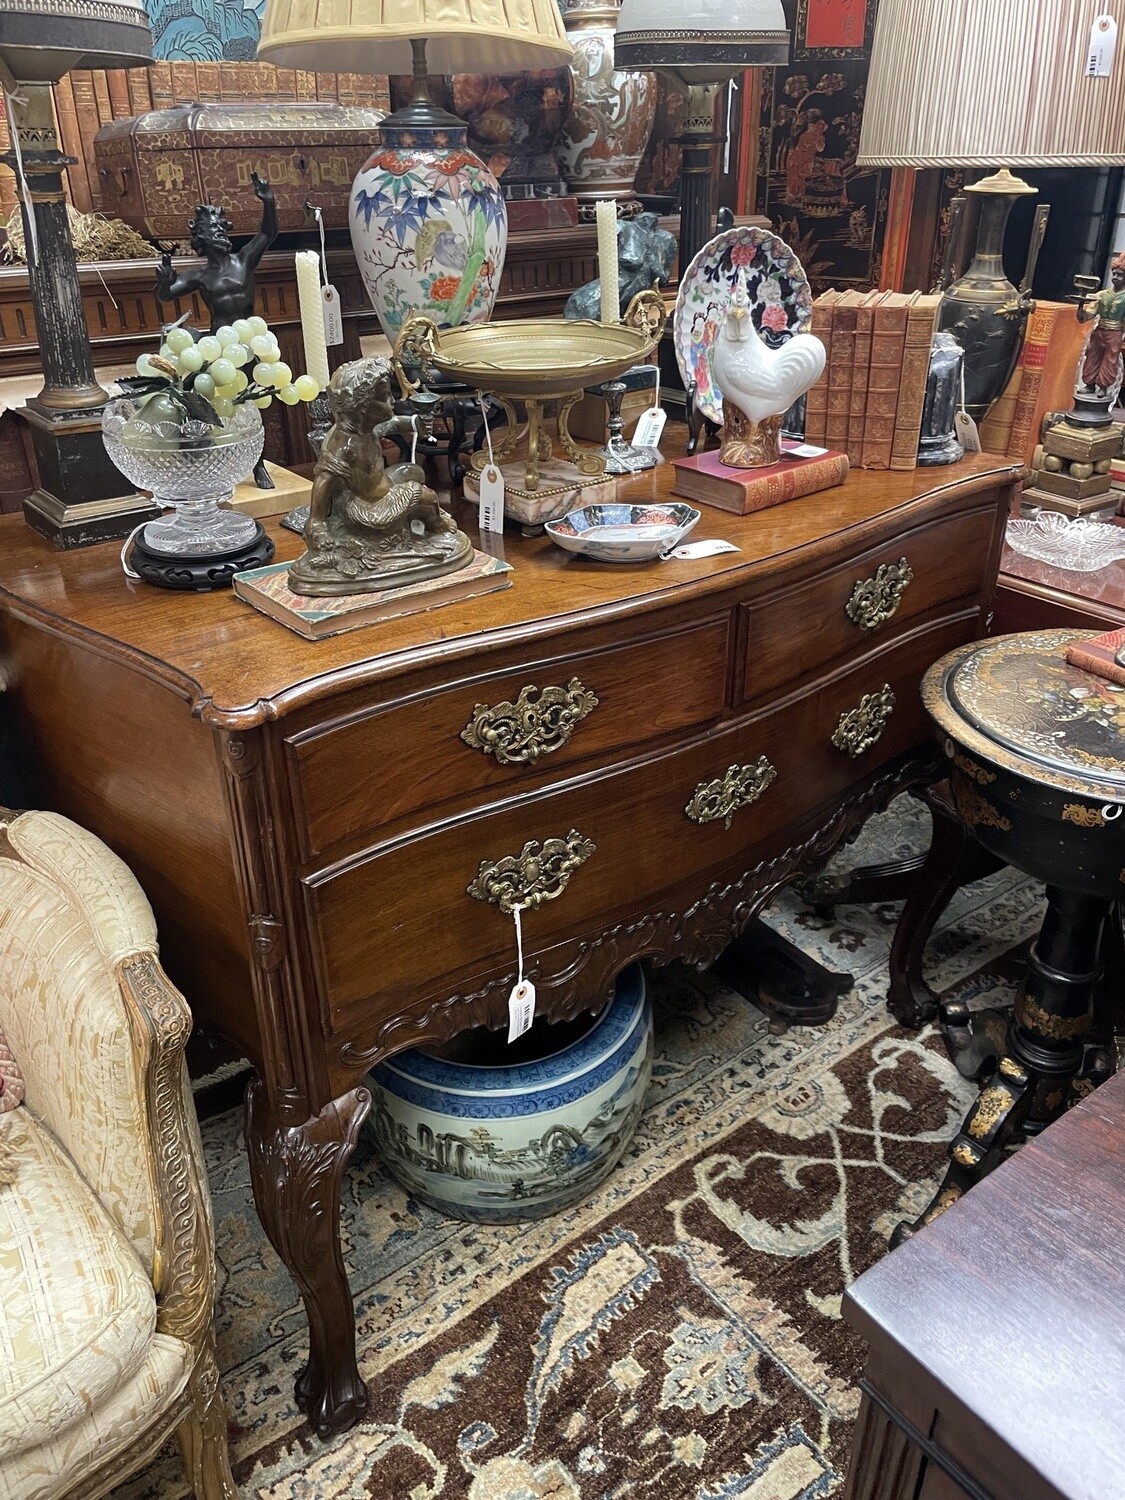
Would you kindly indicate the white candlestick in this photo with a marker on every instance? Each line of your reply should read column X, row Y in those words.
column 606, row 211
column 312, row 316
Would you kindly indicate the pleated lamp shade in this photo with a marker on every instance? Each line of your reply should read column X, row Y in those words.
column 975, row 83
column 40, row 40
column 373, row 36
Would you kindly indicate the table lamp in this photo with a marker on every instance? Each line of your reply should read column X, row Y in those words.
column 701, row 46
column 961, row 83
column 81, row 496
column 428, row 220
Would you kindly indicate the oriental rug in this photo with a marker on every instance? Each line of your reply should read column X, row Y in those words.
column 676, row 1337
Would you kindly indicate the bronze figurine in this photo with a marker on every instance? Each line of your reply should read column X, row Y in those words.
column 645, row 257
column 370, row 527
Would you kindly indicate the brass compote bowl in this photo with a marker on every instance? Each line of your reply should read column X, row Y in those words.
column 534, row 360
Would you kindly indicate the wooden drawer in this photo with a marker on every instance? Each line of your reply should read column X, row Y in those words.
column 802, row 629
column 372, row 935
column 410, row 756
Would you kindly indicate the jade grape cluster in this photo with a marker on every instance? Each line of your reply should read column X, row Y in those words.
column 240, row 361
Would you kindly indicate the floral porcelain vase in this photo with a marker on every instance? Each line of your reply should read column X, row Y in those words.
column 613, row 112
column 429, row 226
column 496, row 1134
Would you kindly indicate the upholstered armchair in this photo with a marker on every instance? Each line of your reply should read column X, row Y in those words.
column 107, row 1276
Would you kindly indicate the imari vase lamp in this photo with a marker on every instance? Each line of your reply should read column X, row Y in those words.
column 428, row 221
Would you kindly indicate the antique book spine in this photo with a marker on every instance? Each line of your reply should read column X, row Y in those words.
column 888, row 345
column 326, row 86
column 140, row 91
column 1060, row 373
column 160, row 85
column 920, row 321
column 816, row 403
column 70, row 140
column 9, row 198
column 840, row 373
column 207, row 83
column 286, row 83
column 233, row 84
column 744, row 495
column 117, row 82
column 996, row 426
column 861, row 369
column 1040, row 326
column 184, row 85
column 306, row 84
column 1097, row 655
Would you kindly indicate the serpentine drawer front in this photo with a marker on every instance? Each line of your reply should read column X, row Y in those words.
column 495, row 733
column 875, row 594
column 634, row 830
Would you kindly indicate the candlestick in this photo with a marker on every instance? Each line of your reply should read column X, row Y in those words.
column 312, row 316
column 606, row 212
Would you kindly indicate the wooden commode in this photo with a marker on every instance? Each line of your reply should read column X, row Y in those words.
column 326, row 829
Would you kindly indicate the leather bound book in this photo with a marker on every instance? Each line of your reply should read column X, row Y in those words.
column 9, row 198
column 208, row 87
column 1033, row 358
column 117, row 82
column 921, row 319
column 140, row 91
column 840, row 370
column 160, row 85
column 816, row 403
column 70, row 140
column 1097, row 655
column 861, row 369
column 888, row 344
column 306, row 84
column 185, row 89
column 1052, row 380
column 705, row 479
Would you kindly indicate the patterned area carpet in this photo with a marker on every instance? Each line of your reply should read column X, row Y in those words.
column 678, row 1335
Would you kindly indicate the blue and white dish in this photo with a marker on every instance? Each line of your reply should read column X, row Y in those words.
column 498, row 1144
column 624, row 533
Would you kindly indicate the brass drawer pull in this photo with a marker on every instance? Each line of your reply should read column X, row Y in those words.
column 535, row 724
column 859, row 728
column 722, row 798
column 538, row 873
column 874, row 600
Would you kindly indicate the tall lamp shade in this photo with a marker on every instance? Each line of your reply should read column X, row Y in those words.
column 374, row 36
column 982, row 83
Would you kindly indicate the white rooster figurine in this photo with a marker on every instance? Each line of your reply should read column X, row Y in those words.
column 759, row 384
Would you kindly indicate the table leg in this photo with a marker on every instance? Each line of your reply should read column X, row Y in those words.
column 1052, row 1017
column 296, row 1172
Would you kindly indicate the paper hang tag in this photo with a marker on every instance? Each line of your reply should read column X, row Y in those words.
column 333, row 316
column 702, row 549
column 521, row 1009
column 1103, row 45
column 804, row 450
column 649, row 428
column 966, row 430
column 491, row 499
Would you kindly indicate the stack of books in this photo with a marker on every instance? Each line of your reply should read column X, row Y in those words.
column 868, row 403
column 1043, row 381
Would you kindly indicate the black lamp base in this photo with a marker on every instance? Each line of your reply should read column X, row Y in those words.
column 200, row 573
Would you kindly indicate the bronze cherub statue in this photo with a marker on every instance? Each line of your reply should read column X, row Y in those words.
column 370, row 527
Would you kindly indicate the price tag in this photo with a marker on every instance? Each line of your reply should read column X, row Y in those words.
column 649, row 428
column 803, row 450
column 702, row 549
column 491, row 483
column 966, row 430
column 333, row 316
column 1103, row 45
column 521, row 1009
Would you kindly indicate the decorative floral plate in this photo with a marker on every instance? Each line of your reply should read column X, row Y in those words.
column 623, row 533
column 780, row 297
column 1078, row 545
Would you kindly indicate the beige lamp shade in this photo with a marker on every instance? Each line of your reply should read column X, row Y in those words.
column 373, row 36
column 975, row 83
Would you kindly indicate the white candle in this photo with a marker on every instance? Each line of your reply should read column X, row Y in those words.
column 312, row 316
column 606, row 211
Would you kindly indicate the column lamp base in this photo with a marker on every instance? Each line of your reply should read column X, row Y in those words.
column 82, row 498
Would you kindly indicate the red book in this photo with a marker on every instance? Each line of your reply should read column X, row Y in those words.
column 705, row 479
column 1097, row 655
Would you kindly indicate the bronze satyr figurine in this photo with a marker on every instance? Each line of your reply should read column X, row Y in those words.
column 370, row 527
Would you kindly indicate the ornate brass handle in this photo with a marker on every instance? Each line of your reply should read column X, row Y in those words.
column 538, row 873
column 519, row 733
column 647, row 313
column 722, row 798
column 859, row 728
column 874, row 601
column 417, row 343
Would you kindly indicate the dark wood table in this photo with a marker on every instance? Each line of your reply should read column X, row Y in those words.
column 307, row 817
column 996, row 1366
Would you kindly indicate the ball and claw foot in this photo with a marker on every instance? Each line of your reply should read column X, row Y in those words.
column 334, row 1410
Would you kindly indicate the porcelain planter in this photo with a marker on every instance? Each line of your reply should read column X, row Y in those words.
column 498, row 1143
column 613, row 112
column 429, row 227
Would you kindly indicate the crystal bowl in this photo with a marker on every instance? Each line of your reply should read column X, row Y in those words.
column 623, row 533
column 190, row 468
column 1077, row 545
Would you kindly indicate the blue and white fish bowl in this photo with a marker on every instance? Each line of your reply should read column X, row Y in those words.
column 495, row 1134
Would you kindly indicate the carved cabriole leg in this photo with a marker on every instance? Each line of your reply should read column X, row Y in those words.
column 296, row 1172
column 202, row 1435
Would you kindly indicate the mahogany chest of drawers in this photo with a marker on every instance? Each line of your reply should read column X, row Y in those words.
column 330, row 832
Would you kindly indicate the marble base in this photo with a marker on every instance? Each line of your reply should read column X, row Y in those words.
column 289, row 490
column 561, row 489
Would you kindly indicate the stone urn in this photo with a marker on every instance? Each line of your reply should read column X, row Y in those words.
column 515, row 122
column 613, row 112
